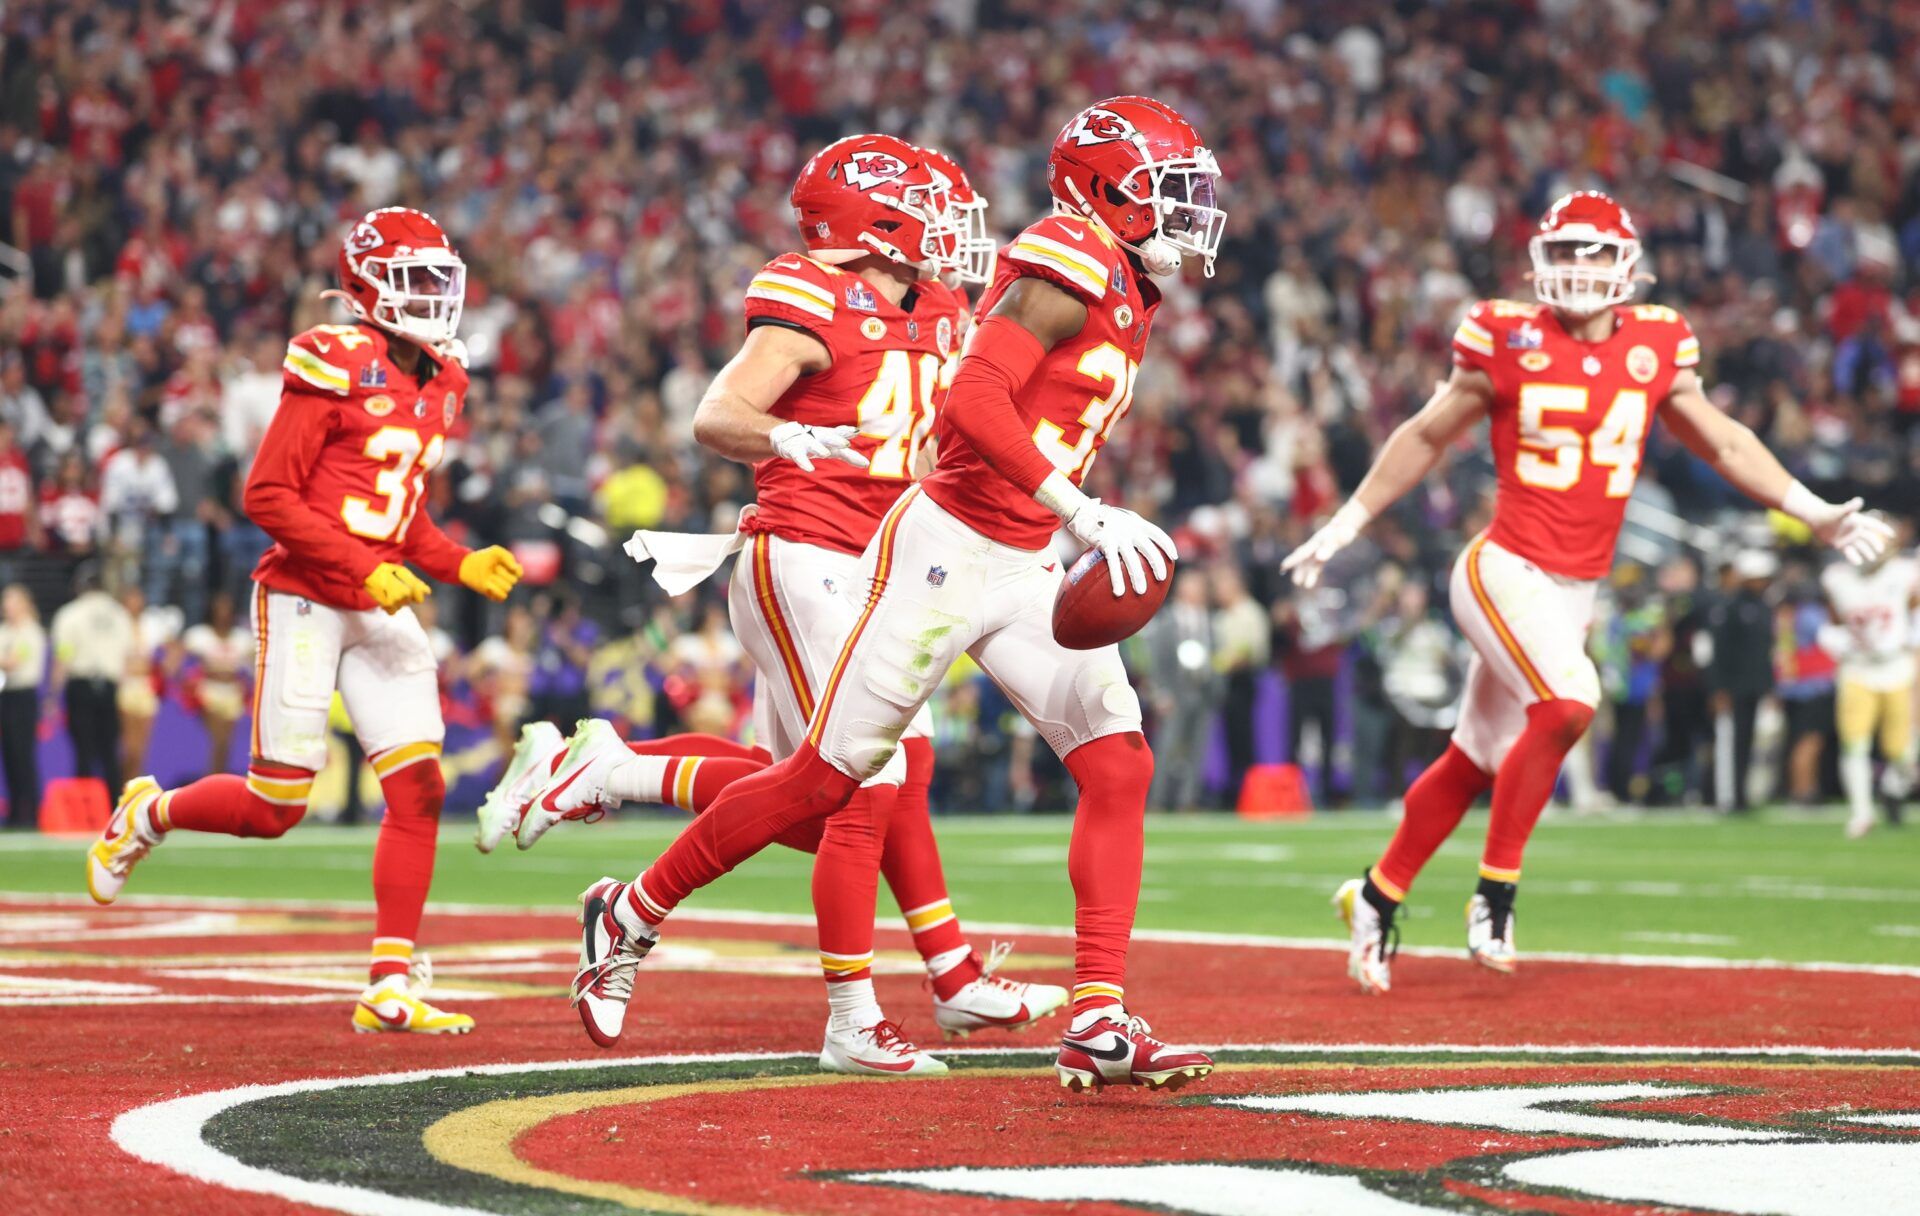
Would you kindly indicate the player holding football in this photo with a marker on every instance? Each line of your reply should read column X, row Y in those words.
column 831, row 398
column 338, row 483
column 1569, row 385
column 1872, row 639
column 960, row 564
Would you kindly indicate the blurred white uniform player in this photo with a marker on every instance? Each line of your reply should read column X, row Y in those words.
column 1873, row 639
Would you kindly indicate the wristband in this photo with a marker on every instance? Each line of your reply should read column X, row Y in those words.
column 1804, row 505
column 1059, row 495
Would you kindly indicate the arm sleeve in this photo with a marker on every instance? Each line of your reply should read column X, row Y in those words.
column 999, row 361
column 275, row 497
column 431, row 549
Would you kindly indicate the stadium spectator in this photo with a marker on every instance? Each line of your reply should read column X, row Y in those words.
column 93, row 642
column 23, row 662
column 1741, row 674
column 221, row 648
column 1242, row 643
column 1182, row 687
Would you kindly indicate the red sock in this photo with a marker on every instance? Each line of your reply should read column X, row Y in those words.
column 693, row 782
column 910, row 862
column 846, row 881
column 403, row 854
column 748, row 816
column 1436, row 801
column 700, row 745
column 266, row 802
column 1103, row 861
column 1525, row 782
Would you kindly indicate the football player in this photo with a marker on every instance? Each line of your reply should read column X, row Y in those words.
column 338, row 483
column 1570, row 384
column 961, row 564
column 831, row 398
column 1872, row 638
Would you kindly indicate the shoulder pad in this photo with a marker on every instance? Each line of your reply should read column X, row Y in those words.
column 327, row 358
column 797, row 283
column 1077, row 253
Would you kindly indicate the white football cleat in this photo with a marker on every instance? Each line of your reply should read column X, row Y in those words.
column 128, row 836
column 577, row 788
column 994, row 1002
column 1490, row 943
column 1369, row 952
column 608, row 954
column 879, row 1050
column 527, row 771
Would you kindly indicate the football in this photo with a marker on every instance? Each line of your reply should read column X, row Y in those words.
column 1088, row 615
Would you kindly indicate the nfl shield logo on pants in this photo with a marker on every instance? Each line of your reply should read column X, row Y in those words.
column 936, row 575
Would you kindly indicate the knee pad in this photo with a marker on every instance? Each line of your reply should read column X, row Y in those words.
column 1561, row 721
column 277, row 799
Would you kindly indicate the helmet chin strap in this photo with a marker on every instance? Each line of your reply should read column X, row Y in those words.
column 1160, row 256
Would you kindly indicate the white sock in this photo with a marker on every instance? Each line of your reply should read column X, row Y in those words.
column 630, row 920
column 638, row 779
column 1856, row 777
column 1087, row 1017
column 947, row 960
column 851, row 1005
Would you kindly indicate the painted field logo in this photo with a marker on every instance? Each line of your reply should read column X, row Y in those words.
column 1359, row 1133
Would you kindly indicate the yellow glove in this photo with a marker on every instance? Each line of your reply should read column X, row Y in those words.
column 490, row 571
column 394, row 587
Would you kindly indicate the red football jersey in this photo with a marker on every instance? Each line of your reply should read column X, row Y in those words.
column 1570, row 422
column 341, row 473
column 1076, row 396
column 888, row 376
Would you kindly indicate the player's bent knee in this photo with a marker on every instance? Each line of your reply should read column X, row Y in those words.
column 1121, row 764
column 276, row 799
column 411, row 777
column 1562, row 721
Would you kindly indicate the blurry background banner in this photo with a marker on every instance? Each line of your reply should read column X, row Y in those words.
column 173, row 180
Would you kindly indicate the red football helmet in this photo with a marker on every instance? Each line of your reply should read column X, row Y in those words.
column 1140, row 169
column 967, row 217
column 399, row 271
column 871, row 194
column 1585, row 254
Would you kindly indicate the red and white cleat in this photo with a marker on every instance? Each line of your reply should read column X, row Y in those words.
column 879, row 1050
column 995, row 1002
column 527, row 770
column 608, row 955
column 1106, row 1047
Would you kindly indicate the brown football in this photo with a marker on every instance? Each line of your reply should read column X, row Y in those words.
column 1088, row 615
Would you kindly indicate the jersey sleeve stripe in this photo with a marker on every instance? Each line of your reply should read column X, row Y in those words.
column 1075, row 265
column 1474, row 337
column 786, row 280
column 316, row 371
column 779, row 293
column 1687, row 353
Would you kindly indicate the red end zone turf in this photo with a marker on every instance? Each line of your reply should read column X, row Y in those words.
column 105, row 1012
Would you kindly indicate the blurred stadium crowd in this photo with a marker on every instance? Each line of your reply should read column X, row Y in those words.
column 175, row 176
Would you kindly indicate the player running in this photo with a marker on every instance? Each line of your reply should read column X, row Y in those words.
column 1569, row 385
column 831, row 399
column 960, row 564
column 1872, row 639
column 338, row 483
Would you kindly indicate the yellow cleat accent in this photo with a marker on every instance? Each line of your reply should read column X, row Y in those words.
column 395, row 1011
column 121, row 843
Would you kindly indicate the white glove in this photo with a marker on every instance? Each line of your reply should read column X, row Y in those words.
column 1126, row 539
column 1306, row 562
column 802, row 444
column 1860, row 537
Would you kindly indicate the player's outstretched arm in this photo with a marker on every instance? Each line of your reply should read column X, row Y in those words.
column 1737, row 454
column 735, row 419
column 1408, row 455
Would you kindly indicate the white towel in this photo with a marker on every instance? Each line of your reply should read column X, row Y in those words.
column 683, row 560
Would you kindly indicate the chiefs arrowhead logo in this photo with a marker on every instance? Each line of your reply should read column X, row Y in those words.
column 1098, row 126
column 865, row 170
column 364, row 237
